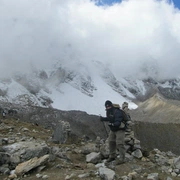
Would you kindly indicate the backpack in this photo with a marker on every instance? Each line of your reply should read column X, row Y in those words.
column 124, row 123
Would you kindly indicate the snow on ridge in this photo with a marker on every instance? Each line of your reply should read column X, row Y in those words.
column 69, row 98
column 86, row 89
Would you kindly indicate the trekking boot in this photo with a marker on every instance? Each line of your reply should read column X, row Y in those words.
column 110, row 159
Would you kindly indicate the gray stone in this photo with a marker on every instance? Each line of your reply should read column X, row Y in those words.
column 26, row 150
column 4, row 170
column 153, row 176
column 93, row 157
column 177, row 162
column 61, row 132
column 137, row 153
column 4, row 158
column 106, row 174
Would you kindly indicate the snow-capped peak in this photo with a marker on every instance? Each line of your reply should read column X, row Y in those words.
column 77, row 87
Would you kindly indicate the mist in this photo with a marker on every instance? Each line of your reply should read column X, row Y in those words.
column 128, row 37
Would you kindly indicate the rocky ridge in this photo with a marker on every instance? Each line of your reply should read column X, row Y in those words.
column 28, row 151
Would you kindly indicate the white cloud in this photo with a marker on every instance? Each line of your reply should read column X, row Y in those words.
column 124, row 35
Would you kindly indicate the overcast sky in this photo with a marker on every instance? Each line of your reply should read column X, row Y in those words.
column 126, row 36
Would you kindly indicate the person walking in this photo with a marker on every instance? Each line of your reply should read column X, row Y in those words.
column 125, row 108
column 116, row 136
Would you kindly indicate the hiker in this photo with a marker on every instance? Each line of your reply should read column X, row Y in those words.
column 125, row 108
column 114, row 116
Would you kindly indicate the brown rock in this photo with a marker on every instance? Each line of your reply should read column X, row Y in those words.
column 31, row 164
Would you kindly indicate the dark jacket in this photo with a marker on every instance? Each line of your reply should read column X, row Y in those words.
column 115, row 118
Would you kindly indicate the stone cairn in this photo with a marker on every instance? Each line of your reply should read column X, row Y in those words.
column 132, row 145
column 61, row 132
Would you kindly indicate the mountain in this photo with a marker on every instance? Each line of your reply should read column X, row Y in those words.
column 158, row 109
column 82, row 87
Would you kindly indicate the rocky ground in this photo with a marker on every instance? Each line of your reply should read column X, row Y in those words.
column 28, row 152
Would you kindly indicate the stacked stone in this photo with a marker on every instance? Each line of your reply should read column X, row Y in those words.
column 132, row 144
column 61, row 132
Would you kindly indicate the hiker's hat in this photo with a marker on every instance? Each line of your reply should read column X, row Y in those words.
column 125, row 104
column 108, row 104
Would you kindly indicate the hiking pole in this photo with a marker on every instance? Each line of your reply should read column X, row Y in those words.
column 104, row 126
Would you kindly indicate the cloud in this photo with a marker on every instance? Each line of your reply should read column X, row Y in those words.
column 124, row 36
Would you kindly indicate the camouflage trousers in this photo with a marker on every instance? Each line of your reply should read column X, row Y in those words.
column 116, row 142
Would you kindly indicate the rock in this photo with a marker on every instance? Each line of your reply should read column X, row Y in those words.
column 5, row 141
column 4, row 170
column 133, row 175
column 39, row 175
column 83, row 175
column 177, row 162
column 26, row 150
column 4, row 158
column 106, row 174
column 14, row 160
column 12, row 176
column 45, row 177
column 61, row 132
column 168, row 178
column 93, row 157
column 137, row 153
column 89, row 147
column 104, row 149
column 153, row 176
column 68, row 177
column 31, row 164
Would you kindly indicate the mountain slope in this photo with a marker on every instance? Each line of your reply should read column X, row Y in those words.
column 82, row 87
column 66, row 88
column 158, row 109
